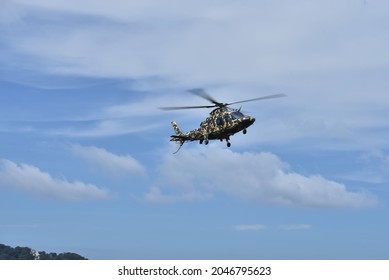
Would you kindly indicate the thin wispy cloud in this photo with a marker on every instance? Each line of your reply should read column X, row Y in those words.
column 250, row 227
column 103, row 128
column 30, row 179
column 294, row 226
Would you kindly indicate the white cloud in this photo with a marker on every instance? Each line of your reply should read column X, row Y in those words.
column 251, row 227
column 295, row 226
column 154, row 195
column 30, row 179
column 258, row 177
column 107, row 161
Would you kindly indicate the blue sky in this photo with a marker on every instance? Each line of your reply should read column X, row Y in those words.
column 85, row 159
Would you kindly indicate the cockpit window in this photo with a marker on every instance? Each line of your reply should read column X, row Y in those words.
column 219, row 121
column 236, row 115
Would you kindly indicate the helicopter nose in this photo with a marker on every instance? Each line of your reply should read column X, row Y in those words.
column 249, row 120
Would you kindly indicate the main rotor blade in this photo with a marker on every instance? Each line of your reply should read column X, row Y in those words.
column 186, row 107
column 202, row 93
column 259, row 98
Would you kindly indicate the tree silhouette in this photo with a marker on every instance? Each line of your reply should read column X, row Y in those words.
column 26, row 253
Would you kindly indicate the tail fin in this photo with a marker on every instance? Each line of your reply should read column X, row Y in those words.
column 177, row 130
column 179, row 137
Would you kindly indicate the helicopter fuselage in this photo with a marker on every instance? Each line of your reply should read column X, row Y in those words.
column 220, row 125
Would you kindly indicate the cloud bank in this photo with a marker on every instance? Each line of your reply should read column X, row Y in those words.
column 256, row 177
column 177, row 39
column 30, row 179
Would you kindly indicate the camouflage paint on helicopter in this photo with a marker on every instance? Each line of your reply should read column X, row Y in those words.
column 221, row 123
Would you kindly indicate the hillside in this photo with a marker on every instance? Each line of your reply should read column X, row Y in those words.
column 25, row 253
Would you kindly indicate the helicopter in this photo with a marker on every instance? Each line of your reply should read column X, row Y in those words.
column 221, row 123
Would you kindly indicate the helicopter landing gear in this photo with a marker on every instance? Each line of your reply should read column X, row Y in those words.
column 206, row 139
column 228, row 142
column 244, row 131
